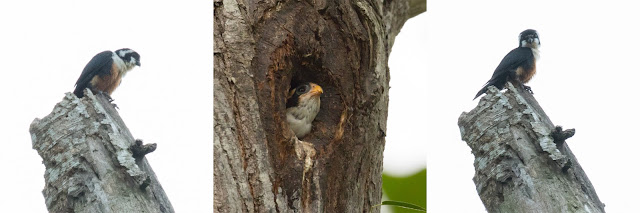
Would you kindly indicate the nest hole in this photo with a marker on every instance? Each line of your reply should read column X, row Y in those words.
column 308, row 68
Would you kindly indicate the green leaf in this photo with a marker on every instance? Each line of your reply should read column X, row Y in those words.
column 401, row 204
column 410, row 189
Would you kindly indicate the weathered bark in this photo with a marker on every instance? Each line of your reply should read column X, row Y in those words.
column 85, row 147
column 522, row 161
column 262, row 48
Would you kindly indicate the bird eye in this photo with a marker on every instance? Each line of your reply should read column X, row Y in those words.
column 303, row 89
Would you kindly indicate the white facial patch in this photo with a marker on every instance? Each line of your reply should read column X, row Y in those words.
column 534, row 45
column 122, row 53
column 118, row 61
column 122, row 65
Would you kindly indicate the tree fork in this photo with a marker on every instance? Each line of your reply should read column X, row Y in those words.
column 522, row 161
column 87, row 151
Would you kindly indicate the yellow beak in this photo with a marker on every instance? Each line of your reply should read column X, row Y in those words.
column 315, row 89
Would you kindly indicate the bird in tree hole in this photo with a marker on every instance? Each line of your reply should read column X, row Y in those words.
column 303, row 104
column 517, row 66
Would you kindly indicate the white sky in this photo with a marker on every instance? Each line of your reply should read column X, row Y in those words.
column 587, row 79
column 44, row 45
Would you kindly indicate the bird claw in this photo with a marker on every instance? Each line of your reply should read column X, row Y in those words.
column 107, row 96
column 528, row 88
column 109, row 99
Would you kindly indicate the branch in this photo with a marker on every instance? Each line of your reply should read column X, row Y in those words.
column 416, row 7
column 522, row 163
column 85, row 148
column 396, row 13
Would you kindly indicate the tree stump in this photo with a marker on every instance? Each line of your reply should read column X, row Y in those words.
column 85, row 147
column 521, row 159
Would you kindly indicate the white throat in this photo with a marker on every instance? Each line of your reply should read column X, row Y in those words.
column 122, row 65
column 536, row 53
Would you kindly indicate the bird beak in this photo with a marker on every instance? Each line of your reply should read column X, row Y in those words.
column 531, row 39
column 316, row 89
column 138, row 63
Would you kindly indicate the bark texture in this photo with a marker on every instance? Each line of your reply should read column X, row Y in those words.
column 522, row 161
column 262, row 48
column 85, row 147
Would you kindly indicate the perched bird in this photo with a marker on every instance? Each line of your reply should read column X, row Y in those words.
column 105, row 71
column 303, row 104
column 518, row 65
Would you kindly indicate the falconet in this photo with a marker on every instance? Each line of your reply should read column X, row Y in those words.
column 105, row 71
column 517, row 66
column 303, row 104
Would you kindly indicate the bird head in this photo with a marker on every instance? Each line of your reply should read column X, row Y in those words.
column 529, row 38
column 131, row 58
column 303, row 93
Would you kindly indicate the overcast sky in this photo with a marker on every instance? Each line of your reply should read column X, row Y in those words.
column 44, row 45
column 587, row 80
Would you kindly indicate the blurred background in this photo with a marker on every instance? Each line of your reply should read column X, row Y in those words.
column 405, row 173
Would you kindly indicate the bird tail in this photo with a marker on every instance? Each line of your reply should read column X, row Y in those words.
column 79, row 92
column 482, row 91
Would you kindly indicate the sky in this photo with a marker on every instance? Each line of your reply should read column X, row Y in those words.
column 44, row 45
column 586, row 79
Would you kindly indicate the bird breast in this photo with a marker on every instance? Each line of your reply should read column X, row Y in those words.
column 301, row 116
column 107, row 83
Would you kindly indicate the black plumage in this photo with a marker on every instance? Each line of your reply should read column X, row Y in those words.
column 518, row 57
column 100, row 65
column 519, row 65
column 301, row 89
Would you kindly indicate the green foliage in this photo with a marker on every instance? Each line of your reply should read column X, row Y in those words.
column 401, row 204
column 410, row 189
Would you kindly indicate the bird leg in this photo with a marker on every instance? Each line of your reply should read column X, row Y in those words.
column 109, row 99
column 522, row 86
column 106, row 95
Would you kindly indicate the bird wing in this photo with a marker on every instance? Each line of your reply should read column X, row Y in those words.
column 99, row 65
column 510, row 63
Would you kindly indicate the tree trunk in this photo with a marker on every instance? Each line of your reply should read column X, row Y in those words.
column 85, row 147
column 522, row 161
column 262, row 48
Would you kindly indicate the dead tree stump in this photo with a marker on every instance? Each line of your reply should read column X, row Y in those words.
column 85, row 147
column 522, row 163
